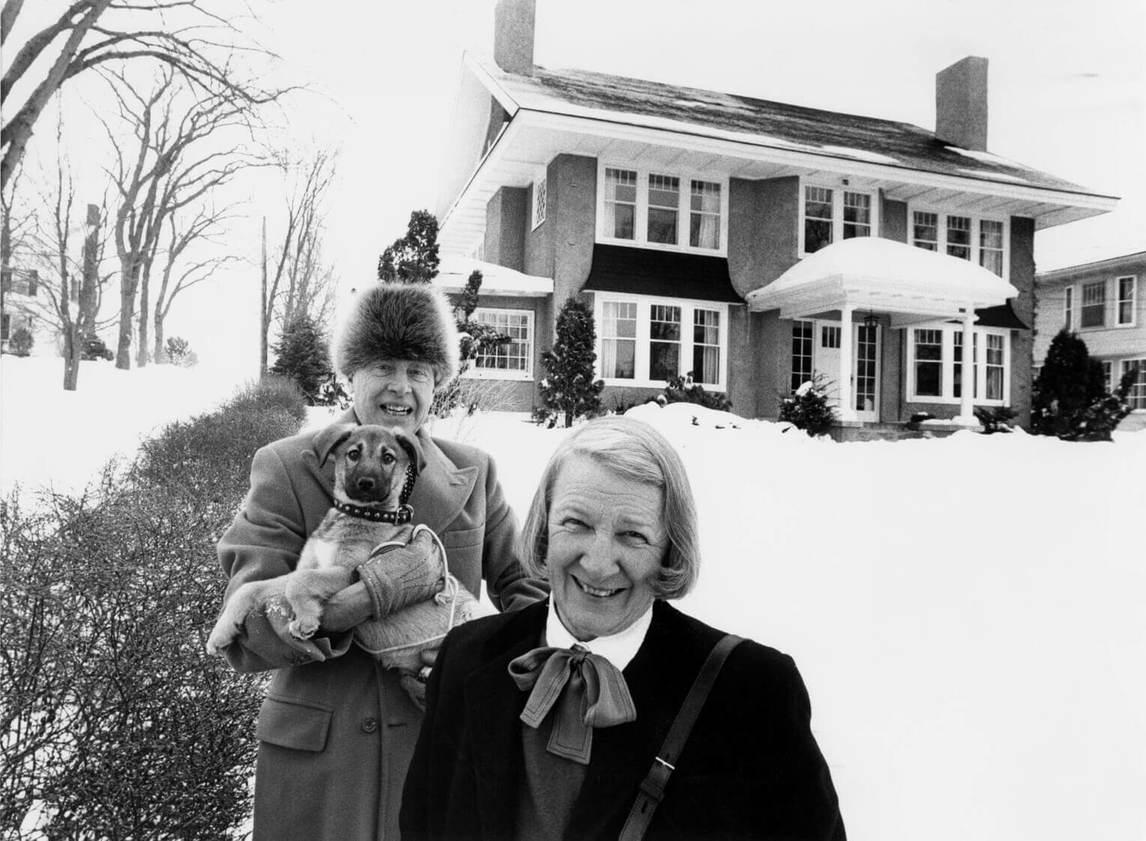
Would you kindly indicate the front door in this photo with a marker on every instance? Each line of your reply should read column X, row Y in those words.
column 865, row 364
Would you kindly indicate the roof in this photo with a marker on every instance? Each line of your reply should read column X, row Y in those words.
column 763, row 122
column 884, row 276
column 1118, row 263
column 670, row 274
column 454, row 271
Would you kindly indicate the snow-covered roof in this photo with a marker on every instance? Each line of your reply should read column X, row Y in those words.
column 885, row 276
column 454, row 271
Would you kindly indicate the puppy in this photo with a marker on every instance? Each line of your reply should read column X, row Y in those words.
column 370, row 472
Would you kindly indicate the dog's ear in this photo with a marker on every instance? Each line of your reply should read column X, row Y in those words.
column 330, row 439
column 413, row 449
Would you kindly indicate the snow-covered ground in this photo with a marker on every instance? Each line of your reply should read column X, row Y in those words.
column 969, row 613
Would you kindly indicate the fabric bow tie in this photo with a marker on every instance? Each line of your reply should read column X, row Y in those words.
column 588, row 690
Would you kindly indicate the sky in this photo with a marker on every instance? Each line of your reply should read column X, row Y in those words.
column 966, row 612
column 1067, row 95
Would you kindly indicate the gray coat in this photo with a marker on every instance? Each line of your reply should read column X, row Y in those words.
column 336, row 737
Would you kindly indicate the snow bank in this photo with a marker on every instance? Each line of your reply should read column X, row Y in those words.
column 966, row 611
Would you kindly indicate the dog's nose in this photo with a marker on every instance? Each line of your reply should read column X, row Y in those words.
column 365, row 484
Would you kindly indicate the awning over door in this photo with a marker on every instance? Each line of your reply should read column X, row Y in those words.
column 884, row 276
column 665, row 274
column 454, row 271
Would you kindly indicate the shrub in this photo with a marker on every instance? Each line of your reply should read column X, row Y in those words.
column 568, row 389
column 304, row 356
column 807, row 407
column 177, row 350
column 21, row 341
column 1098, row 420
column 684, row 390
column 118, row 724
column 1067, row 384
column 994, row 420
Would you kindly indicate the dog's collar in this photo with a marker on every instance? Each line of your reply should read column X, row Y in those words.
column 403, row 515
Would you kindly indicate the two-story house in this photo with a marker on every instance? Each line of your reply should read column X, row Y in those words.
column 751, row 243
column 1102, row 303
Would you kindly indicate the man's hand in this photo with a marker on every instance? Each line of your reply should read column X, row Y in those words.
column 347, row 608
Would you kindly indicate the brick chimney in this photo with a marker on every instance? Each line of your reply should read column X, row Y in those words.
column 513, row 35
column 961, row 104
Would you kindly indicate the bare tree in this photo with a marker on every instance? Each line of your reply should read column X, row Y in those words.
column 91, row 34
column 203, row 228
column 301, row 282
column 178, row 157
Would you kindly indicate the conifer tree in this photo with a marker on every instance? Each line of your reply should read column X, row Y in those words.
column 1069, row 382
column 412, row 258
column 304, row 356
column 568, row 390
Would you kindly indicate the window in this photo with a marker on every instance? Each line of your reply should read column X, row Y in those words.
column 829, row 336
column 645, row 340
column 663, row 210
column 706, row 346
column 620, row 203
column 928, row 363
column 1068, row 308
column 5, row 325
column 981, row 241
column 1136, row 397
column 1127, row 293
column 619, row 340
column 1094, row 304
column 664, row 342
column 1107, row 376
column 925, row 230
column 704, row 221
column 513, row 360
column 991, row 246
column 540, row 198
column 935, row 369
column 801, row 353
column 831, row 215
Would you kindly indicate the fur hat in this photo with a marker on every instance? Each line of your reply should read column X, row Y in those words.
column 410, row 321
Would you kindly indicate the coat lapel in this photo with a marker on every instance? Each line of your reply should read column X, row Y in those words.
column 497, row 703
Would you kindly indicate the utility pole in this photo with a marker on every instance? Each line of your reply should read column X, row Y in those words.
column 264, row 312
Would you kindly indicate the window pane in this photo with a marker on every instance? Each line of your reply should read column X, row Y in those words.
column 620, row 203
column 925, row 230
column 1094, row 304
column 664, row 201
column 959, row 237
column 991, row 246
column 995, row 369
column 704, row 221
column 517, row 353
column 706, row 346
column 664, row 342
column 857, row 215
column 928, row 363
column 618, row 347
column 817, row 218
column 1126, row 294
column 1136, row 397
column 801, row 353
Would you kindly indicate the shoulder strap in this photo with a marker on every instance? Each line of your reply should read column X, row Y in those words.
column 653, row 786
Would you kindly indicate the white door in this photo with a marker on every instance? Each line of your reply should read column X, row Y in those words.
column 865, row 365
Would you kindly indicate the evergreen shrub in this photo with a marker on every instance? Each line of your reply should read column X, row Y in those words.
column 303, row 354
column 808, row 408
column 568, row 390
column 684, row 390
column 20, row 342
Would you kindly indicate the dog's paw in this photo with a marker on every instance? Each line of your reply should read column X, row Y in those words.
column 303, row 629
column 222, row 635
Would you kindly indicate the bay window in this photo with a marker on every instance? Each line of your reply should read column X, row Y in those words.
column 664, row 210
column 935, row 365
column 830, row 214
column 645, row 341
column 970, row 238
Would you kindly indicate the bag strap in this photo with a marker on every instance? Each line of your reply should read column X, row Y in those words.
column 652, row 788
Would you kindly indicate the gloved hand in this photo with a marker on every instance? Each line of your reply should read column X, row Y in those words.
column 416, row 688
column 397, row 576
column 267, row 634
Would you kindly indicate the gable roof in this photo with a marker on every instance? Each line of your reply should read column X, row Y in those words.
column 761, row 122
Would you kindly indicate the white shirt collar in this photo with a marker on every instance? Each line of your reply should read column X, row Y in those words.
column 619, row 648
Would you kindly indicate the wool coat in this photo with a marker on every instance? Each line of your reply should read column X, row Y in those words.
column 750, row 769
column 336, row 736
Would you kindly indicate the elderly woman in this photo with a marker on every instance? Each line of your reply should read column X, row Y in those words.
column 336, row 730
column 543, row 724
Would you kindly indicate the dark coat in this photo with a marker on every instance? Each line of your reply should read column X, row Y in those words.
column 335, row 737
column 750, row 769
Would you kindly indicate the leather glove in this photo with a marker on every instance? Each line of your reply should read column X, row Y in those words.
column 268, row 636
column 397, row 576
column 416, row 688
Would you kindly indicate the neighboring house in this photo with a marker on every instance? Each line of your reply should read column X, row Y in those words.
column 716, row 234
column 20, row 291
column 1103, row 303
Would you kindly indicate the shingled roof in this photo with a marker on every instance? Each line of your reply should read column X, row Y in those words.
column 761, row 122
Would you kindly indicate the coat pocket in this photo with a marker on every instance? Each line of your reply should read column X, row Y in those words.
column 293, row 724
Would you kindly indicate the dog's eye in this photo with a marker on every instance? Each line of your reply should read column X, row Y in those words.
column 387, row 458
column 353, row 455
